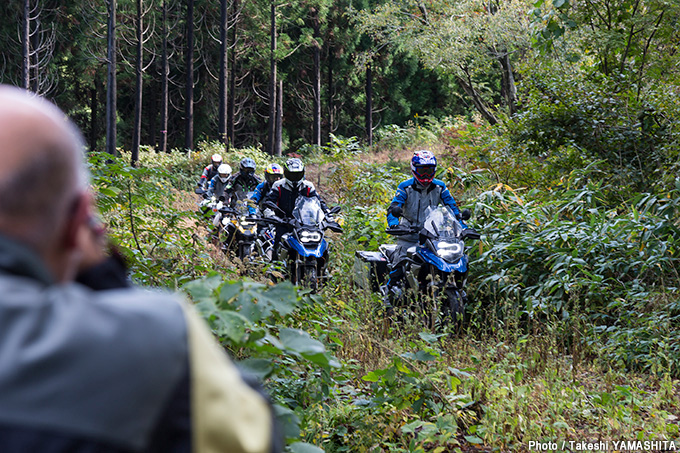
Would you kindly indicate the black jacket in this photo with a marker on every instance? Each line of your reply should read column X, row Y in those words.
column 284, row 195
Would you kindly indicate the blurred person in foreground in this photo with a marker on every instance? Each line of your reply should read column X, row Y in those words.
column 88, row 369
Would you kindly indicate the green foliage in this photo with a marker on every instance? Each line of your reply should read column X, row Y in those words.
column 136, row 204
column 631, row 39
column 593, row 121
column 245, row 314
column 234, row 156
column 465, row 40
column 250, row 318
column 568, row 255
column 422, row 131
column 182, row 169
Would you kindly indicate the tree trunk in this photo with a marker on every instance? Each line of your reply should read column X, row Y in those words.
column 279, row 118
column 26, row 46
column 165, row 71
column 189, row 101
column 111, row 80
column 152, row 107
column 316, row 129
column 34, row 53
column 94, row 112
column 231, row 98
column 272, row 82
column 331, row 92
column 369, row 106
column 508, row 81
column 137, row 126
column 224, row 73
column 476, row 99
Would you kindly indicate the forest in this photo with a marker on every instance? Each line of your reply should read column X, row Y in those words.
column 556, row 122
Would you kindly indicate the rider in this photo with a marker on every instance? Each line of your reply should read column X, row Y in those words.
column 216, row 189
column 285, row 192
column 219, row 182
column 242, row 182
column 412, row 199
column 272, row 173
column 210, row 172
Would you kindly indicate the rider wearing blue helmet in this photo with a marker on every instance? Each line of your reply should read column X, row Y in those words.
column 410, row 202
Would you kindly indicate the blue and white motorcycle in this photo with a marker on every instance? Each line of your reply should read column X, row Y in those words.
column 435, row 270
column 304, row 248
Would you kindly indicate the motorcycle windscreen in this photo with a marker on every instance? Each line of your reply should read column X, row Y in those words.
column 441, row 223
column 308, row 211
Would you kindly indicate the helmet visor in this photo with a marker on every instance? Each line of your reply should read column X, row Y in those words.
column 294, row 176
column 273, row 177
column 425, row 172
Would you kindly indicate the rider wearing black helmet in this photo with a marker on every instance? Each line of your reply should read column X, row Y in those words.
column 242, row 182
column 285, row 192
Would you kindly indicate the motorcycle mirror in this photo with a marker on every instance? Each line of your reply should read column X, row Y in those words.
column 469, row 233
column 334, row 226
column 334, row 210
column 396, row 211
column 465, row 214
column 199, row 191
column 273, row 207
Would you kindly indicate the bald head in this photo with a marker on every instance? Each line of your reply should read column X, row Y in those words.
column 41, row 166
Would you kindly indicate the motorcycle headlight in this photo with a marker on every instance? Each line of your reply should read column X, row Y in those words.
column 310, row 236
column 449, row 251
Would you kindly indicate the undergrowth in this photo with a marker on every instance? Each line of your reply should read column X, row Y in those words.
column 570, row 334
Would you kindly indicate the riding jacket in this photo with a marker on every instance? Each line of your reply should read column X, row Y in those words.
column 258, row 195
column 217, row 188
column 114, row 371
column 209, row 173
column 414, row 199
column 284, row 194
column 239, row 185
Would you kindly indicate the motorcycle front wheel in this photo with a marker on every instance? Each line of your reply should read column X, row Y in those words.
column 307, row 277
column 245, row 249
column 453, row 305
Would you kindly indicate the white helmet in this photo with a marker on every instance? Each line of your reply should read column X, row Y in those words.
column 224, row 171
column 216, row 159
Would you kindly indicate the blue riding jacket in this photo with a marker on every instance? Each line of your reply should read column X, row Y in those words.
column 414, row 199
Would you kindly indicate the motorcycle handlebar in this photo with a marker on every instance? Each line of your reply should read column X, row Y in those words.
column 401, row 231
column 467, row 233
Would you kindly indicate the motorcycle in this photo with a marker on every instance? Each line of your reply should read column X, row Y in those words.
column 305, row 249
column 237, row 231
column 207, row 212
column 264, row 242
column 435, row 270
